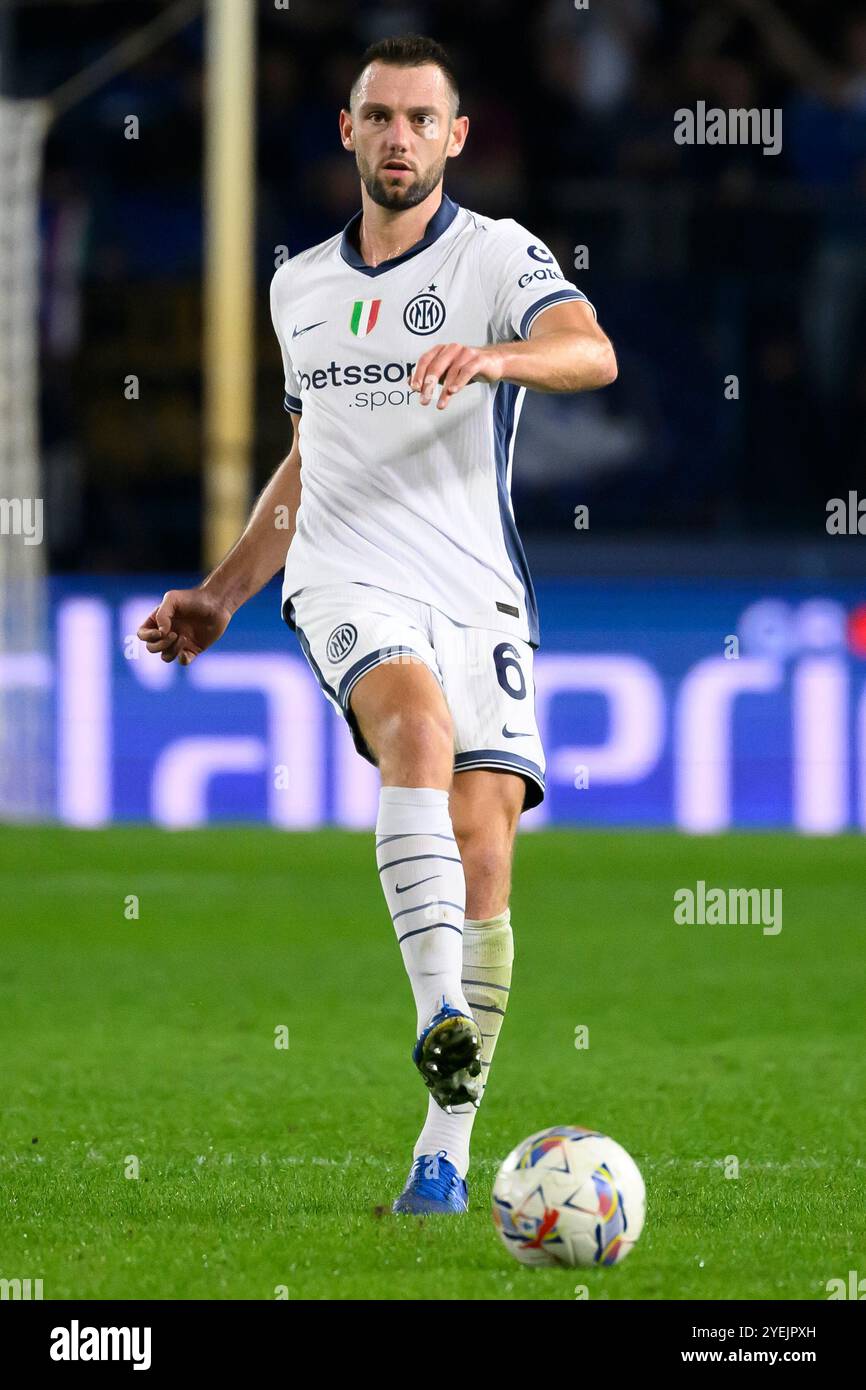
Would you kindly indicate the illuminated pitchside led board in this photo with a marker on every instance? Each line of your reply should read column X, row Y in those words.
column 699, row 706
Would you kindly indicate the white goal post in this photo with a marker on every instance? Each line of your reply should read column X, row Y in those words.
column 26, row 755
column 24, row 674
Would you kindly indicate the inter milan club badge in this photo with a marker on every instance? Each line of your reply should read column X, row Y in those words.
column 425, row 313
column 341, row 642
column 365, row 312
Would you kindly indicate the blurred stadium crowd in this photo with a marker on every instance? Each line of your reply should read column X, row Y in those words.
column 703, row 261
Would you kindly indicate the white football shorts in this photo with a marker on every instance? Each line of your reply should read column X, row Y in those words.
column 348, row 629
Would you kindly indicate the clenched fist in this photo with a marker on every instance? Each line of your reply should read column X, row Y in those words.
column 184, row 624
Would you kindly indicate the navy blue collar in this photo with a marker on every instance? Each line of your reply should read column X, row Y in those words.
column 439, row 222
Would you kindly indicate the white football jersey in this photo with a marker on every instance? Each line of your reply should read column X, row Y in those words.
column 407, row 497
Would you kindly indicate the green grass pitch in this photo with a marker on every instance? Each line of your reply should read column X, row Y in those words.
column 262, row 1167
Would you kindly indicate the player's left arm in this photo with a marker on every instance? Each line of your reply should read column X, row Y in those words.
column 565, row 351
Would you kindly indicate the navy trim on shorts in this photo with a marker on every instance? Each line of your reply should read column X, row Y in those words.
column 308, row 653
column 498, row 760
column 287, row 613
column 369, row 663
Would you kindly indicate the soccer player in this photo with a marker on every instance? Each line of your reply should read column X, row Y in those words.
column 408, row 340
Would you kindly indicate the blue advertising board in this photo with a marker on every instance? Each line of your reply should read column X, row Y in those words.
column 703, row 706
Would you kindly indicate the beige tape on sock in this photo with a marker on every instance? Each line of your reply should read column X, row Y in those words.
column 488, row 942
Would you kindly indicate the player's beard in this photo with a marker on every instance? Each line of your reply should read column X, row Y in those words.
column 399, row 196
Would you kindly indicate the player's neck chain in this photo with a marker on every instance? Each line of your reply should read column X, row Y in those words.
column 391, row 254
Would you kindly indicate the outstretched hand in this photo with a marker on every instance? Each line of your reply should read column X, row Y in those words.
column 184, row 624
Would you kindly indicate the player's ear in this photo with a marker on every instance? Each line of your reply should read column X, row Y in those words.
column 459, row 132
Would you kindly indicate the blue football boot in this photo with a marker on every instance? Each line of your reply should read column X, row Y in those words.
column 448, row 1056
column 433, row 1185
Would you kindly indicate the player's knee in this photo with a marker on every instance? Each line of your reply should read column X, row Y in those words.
column 420, row 739
column 482, row 825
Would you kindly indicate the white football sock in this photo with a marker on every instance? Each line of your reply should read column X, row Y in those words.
column 488, row 954
column 421, row 873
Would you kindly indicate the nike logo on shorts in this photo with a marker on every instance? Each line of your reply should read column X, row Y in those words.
column 512, row 733
column 415, row 885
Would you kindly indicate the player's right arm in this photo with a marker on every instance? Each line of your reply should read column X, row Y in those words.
column 189, row 620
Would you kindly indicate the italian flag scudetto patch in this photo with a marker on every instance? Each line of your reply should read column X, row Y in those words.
column 364, row 315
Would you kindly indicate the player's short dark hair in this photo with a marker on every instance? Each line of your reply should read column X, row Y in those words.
column 409, row 51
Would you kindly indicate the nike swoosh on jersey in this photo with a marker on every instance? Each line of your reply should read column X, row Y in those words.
column 298, row 331
column 415, row 885
column 513, row 733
